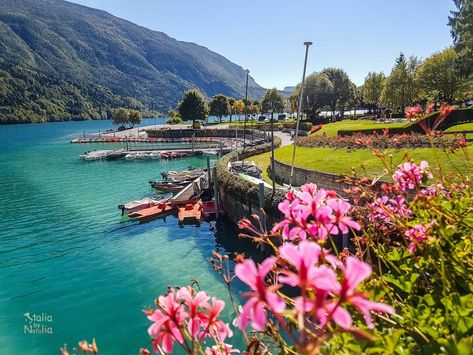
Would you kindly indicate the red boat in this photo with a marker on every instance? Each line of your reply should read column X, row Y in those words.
column 190, row 212
column 209, row 208
column 151, row 212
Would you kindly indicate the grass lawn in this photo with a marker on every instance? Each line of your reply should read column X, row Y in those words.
column 460, row 127
column 332, row 129
column 341, row 161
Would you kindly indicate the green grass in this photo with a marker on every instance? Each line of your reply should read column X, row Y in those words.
column 460, row 127
column 341, row 161
column 332, row 129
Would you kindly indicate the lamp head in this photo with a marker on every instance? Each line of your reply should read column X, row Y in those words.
column 308, row 43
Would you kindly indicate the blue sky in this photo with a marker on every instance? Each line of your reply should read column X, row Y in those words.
column 266, row 36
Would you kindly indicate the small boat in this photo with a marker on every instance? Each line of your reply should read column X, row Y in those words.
column 171, row 155
column 169, row 186
column 192, row 212
column 151, row 212
column 175, row 176
column 154, row 155
column 209, row 209
column 144, row 203
column 130, row 156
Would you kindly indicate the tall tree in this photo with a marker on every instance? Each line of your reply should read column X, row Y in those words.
column 318, row 92
column 461, row 22
column 372, row 89
column 134, row 117
column 401, row 88
column 273, row 101
column 438, row 77
column 231, row 102
column 238, row 107
column 219, row 106
column 193, row 106
column 120, row 117
column 343, row 89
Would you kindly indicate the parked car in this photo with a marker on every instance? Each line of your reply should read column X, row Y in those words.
column 282, row 116
column 262, row 118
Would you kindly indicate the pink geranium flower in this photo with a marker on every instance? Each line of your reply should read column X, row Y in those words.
column 410, row 176
column 194, row 304
column 355, row 271
column 417, row 235
column 305, row 257
column 261, row 297
column 213, row 326
column 342, row 220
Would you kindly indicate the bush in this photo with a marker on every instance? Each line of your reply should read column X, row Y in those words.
column 303, row 125
column 174, row 120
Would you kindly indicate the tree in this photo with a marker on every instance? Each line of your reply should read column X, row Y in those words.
column 437, row 76
column 317, row 93
column 238, row 107
column 372, row 89
column 219, row 106
column 400, row 88
column 134, row 117
column 343, row 89
column 273, row 100
column 255, row 107
column 120, row 117
column 461, row 22
column 193, row 106
column 231, row 102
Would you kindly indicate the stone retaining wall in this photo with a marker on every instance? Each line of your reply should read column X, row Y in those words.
column 240, row 197
column 302, row 176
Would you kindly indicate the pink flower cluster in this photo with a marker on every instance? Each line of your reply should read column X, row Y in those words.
column 180, row 312
column 327, row 286
column 388, row 209
column 417, row 235
column 314, row 214
column 410, row 176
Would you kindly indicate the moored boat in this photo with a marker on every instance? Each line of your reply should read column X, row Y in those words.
column 144, row 203
column 151, row 212
column 167, row 186
column 209, row 209
column 190, row 212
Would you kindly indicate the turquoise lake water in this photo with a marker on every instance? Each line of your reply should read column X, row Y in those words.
column 66, row 255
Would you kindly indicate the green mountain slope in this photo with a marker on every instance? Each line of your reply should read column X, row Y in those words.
column 60, row 60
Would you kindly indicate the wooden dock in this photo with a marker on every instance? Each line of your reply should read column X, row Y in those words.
column 190, row 193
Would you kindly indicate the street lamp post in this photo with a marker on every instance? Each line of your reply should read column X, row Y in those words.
column 299, row 108
column 246, row 112
column 272, row 147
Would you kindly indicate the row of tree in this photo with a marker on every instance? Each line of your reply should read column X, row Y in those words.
column 411, row 81
column 193, row 105
column 124, row 117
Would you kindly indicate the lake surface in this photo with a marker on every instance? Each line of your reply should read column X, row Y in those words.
column 65, row 254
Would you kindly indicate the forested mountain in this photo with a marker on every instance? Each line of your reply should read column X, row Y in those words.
column 59, row 60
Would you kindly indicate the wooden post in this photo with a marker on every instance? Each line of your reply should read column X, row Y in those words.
column 215, row 180
column 209, row 177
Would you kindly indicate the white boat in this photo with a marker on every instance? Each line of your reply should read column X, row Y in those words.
column 144, row 203
column 95, row 155
column 130, row 156
column 154, row 155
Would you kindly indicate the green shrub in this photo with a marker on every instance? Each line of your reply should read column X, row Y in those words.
column 174, row 120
